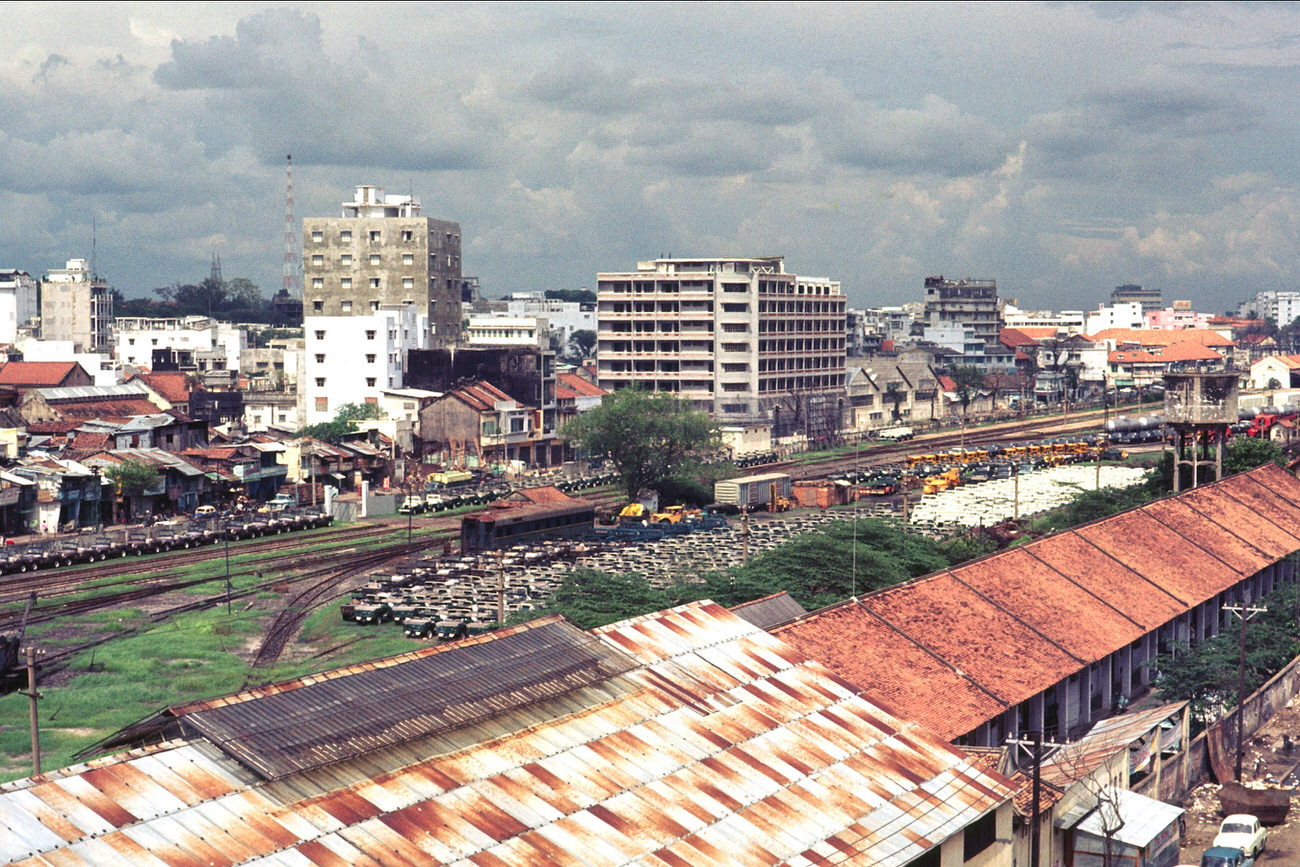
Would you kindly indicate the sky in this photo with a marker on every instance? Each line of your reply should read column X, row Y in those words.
column 1061, row 149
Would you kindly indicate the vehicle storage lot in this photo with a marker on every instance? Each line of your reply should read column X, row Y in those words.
column 1202, row 806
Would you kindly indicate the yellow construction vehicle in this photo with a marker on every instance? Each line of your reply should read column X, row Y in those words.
column 673, row 515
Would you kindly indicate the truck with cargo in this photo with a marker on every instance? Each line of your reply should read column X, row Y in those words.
column 898, row 433
column 753, row 492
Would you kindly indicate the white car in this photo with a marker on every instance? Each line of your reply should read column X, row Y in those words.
column 1244, row 832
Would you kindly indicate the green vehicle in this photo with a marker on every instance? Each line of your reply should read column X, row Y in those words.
column 370, row 615
column 419, row 627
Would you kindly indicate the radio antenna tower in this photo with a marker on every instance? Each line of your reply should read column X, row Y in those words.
column 292, row 284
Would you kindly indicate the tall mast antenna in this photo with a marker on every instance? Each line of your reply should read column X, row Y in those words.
column 292, row 282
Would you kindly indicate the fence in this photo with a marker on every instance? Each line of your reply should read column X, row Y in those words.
column 1181, row 773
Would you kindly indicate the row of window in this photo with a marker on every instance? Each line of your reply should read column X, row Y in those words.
column 370, row 334
column 373, row 282
column 345, row 259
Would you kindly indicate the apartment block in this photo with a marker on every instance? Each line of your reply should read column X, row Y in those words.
column 740, row 338
column 76, row 305
column 971, row 304
column 18, row 302
column 383, row 251
column 137, row 337
column 355, row 359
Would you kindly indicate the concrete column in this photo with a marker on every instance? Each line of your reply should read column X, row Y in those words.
column 1125, row 663
column 1036, row 708
column 1011, row 721
column 1085, row 695
column 1106, row 674
column 1066, row 709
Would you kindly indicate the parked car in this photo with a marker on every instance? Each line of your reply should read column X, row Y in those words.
column 1244, row 832
column 205, row 512
column 1224, row 856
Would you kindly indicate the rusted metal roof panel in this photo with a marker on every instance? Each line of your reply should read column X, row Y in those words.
column 720, row 746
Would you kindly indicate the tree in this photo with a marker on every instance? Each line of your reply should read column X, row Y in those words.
column 650, row 436
column 1246, row 453
column 344, row 422
column 583, row 342
column 134, row 478
column 893, row 395
column 578, row 296
column 969, row 380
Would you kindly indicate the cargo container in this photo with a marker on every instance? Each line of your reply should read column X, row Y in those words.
column 752, row 492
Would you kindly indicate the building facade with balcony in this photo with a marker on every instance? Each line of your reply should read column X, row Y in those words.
column 77, row 305
column 740, row 338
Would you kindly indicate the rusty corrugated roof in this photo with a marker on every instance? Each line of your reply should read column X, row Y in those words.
column 770, row 611
column 957, row 648
column 722, row 746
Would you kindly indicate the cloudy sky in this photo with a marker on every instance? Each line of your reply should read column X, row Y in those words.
column 1062, row 149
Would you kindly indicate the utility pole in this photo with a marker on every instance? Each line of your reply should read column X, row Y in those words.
column 744, row 534
column 1244, row 613
column 1034, row 743
column 501, row 587
column 1015, row 483
column 32, row 697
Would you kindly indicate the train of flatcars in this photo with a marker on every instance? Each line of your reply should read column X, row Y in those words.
column 163, row 536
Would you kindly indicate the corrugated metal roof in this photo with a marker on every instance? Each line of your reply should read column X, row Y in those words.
column 957, row 648
column 1104, row 740
column 723, row 746
column 1143, row 818
column 295, row 726
column 770, row 610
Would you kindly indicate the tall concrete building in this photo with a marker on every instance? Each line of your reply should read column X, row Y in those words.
column 971, row 304
column 1133, row 293
column 739, row 338
column 380, row 252
column 18, row 299
column 76, row 305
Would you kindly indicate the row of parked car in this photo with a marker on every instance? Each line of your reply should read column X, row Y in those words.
column 440, row 498
column 163, row 536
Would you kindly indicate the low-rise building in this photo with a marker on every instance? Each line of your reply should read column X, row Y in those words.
column 137, row 338
column 354, row 359
column 479, row 425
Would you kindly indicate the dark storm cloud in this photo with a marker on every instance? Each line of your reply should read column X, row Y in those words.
column 264, row 49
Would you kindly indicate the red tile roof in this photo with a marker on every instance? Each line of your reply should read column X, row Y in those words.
column 481, row 395
column 579, row 386
column 172, row 387
column 39, row 374
column 1159, row 337
column 957, row 648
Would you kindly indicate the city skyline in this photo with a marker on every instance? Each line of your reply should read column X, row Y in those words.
column 1059, row 149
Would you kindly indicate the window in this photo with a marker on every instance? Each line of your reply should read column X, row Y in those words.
column 374, row 258
column 320, row 358
column 320, row 335
column 345, row 236
column 320, row 382
column 374, row 282
column 317, row 236
column 318, row 282
column 345, row 259
column 374, row 236
column 317, row 259
column 979, row 835
column 130, row 341
column 347, row 305
column 322, row 404
column 408, row 259
column 345, row 282
column 408, row 235
column 374, row 306
column 408, row 282
column 370, row 335
column 370, row 382
column 317, row 306
column 370, row 358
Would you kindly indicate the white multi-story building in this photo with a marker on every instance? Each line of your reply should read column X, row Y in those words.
column 1282, row 307
column 1126, row 314
column 1064, row 321
column 508, row 330
column 355, row 359
column 137, row 337
column 740, row 338
column 18, row 300
column 563, row 317
column 76, row 305
column 99, row 365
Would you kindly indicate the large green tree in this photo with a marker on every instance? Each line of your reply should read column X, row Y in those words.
column 134, row 478
column 651, row 437
column 343, row 423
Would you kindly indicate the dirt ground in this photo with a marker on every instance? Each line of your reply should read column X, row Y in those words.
column 1265, row 757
